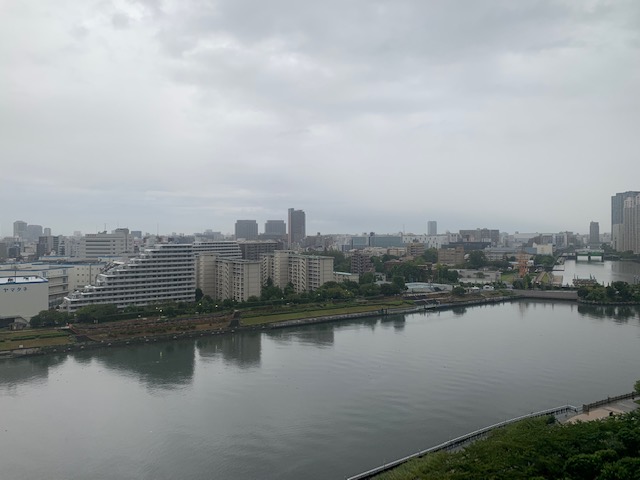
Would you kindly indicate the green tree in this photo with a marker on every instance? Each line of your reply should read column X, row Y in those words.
column 430, row 255
column 476, row 259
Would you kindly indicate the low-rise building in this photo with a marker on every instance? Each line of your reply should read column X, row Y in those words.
column 23, row 296
column 451, row 256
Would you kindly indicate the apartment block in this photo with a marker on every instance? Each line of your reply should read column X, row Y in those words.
column 305, row 272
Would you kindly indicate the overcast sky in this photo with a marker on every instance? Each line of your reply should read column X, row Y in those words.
column 369, row 115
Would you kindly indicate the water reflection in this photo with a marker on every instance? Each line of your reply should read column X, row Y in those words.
column 241, row 349
column 619, row 313
column 164, row 365
column 398, row 322
column 319, row 335
column 16, row 372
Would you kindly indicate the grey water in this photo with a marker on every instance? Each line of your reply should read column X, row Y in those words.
column 604, row 272
column 316, row 402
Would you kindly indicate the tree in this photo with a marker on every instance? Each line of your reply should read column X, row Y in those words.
column 199, row 294
column 398, row 282
column 477, row 259
column 49, row 318
column 367, row 277
column 637, row 387
column 458, row 291
column 430, row 255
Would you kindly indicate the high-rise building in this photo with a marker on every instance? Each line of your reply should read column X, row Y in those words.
column 432, row 227
column 19, row 229
column 617, row 212
column 34, row 232
column 297, row 226
column 594, row 233
column 246, row 230
column 631, row 225
column 275, row 227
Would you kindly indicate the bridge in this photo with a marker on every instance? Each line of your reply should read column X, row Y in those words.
column 589, row 252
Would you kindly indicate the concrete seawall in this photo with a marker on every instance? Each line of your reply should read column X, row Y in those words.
column 569, row 295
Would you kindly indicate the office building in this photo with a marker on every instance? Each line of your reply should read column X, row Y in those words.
column 594, row 234
column 276, row 228
column 246, row 230
column 96, row 245
column 451, row 255
column 617, row 213
column 33, row 232
column 297, row 226
column 19, row 229
column 432, row 227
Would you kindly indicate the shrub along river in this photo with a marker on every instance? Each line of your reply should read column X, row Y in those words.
column 314, row 402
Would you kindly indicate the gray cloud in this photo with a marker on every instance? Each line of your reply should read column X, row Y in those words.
column 367, row 114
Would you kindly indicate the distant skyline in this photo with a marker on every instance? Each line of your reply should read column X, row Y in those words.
column 368, row 115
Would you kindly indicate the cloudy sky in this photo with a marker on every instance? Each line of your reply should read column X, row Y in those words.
column 370, row 115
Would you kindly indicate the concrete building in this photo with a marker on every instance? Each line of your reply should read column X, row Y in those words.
column 617, row 213
column 631, row 225
column 432, row 227
column 96, row 245
column 251, row 250
column 297, row 226
column 163, row 273
column 228, row 278
column 415, row 249
column 305, row 272
column 484, row 235
column 19, row 229
column 361, row 263
column 451, row 256
column 33, row 232
column 23, row 296
column 594, row 234
column 246, row 230
column 277, row 228
column 222, row 248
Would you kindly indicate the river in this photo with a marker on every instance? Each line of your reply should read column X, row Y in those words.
column 604, row 272
column 316, row 402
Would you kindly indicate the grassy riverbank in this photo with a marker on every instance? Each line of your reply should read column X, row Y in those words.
column 536, row 449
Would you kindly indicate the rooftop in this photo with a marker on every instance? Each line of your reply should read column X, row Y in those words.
column 20, row 280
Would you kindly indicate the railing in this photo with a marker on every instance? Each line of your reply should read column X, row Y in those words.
column 606, row 401
column 459, row 441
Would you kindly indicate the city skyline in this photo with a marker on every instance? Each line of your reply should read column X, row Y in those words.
column 175, row 117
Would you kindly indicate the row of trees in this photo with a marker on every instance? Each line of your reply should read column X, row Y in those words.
column 617, row 292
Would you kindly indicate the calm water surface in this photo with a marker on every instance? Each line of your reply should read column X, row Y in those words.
column 318, row 402
column 605, row 272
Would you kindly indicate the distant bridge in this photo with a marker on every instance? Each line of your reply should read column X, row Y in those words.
column 589, row 252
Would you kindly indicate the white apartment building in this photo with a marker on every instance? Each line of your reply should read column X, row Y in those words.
column 23, row 296
column 305, row 272
column 163, row 273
